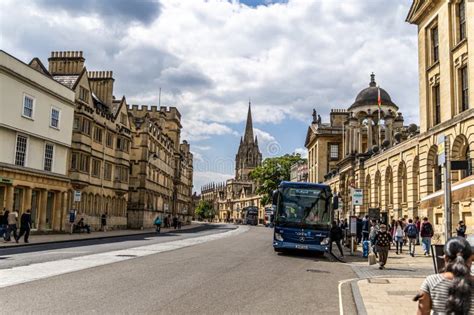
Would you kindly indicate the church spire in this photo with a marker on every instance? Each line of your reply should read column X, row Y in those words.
column 248, row 136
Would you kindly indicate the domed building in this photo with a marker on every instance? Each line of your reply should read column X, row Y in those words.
column 370, row 126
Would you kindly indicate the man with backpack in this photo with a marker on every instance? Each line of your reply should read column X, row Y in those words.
column 426, row 234
column 411, row 232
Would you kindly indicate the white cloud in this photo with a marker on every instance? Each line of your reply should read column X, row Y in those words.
column 203, row 178
column 210, row 56
column 195, row 130
column 303, row 152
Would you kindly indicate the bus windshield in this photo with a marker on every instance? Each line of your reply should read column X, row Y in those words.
column 303, row 207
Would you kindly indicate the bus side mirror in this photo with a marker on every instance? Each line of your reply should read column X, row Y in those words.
column 335, row 202
column 275, row 195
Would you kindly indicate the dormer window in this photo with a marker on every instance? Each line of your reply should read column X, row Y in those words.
column 83, row 94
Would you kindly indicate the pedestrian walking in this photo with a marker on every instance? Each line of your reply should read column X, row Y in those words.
column 335, row 235
column 411, row 232
column 359, row 230
column 365, row 228
column 3, row 224
column 157, row 224
column 426, row 233
column 166, row 221
column 382, row 243
column 398, row 236
column 12, row 225
column 373, row 231
column 103, row 222
column 175, row 222
column 418, row 227
column 25, row 226
column 450, row 292
column 461, row 229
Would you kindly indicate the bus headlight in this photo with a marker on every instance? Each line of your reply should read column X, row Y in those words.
column 325, row 241
column 278, row 237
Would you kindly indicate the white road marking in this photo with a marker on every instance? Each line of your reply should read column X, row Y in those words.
column 22, row 274
column 339, row 288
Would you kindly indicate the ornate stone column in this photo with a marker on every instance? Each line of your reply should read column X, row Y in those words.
column 64, row 210
column 359, row 138
column 353, row 138
column 57, row 212
column 369, row 133
column 389, row 129
column 9, row 197
column 28, row 192
column 43, row 203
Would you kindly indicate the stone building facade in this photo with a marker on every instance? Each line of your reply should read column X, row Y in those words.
column 396, row 165
column 99, row 160
column 299, row 172
column 231, row 198
column 161, row 167
column 36, row 115
column 70, row 134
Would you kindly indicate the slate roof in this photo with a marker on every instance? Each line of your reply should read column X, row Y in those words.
column 67, row 80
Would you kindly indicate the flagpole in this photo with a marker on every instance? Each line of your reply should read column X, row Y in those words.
column 379, row 101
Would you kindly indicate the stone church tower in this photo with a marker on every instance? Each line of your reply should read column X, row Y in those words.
column 248, row 157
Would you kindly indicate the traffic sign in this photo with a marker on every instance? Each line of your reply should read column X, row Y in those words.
column 441, row 150
column 357, row 196
column 77, row 196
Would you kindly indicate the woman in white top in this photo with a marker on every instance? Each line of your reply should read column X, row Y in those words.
column 398, row 235
column 450, row 292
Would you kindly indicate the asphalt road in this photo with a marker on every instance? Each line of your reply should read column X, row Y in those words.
column 236, row 274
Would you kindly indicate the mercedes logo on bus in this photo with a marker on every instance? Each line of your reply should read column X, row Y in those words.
column 302, row 239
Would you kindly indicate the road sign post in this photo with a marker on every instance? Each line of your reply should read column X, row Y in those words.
column 444, row 161
column 357, row 199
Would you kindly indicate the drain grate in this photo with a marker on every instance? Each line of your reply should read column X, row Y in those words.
column 316, row 271
column 378, row 281
column 126, row 255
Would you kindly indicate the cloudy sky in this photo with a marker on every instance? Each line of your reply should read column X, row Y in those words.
column 210, row 57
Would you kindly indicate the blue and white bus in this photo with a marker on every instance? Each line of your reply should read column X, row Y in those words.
column 303, row 216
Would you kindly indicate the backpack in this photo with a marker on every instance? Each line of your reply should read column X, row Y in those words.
column 412, row 231
column 427, row 229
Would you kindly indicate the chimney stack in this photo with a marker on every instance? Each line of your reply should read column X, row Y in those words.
column 66, row 62
column 102, row 84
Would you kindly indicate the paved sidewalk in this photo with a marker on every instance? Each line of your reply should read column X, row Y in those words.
column 66, row 237
column 390, row 290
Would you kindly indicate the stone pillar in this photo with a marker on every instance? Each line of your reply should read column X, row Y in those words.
column 389, row 129
column 26, row 199
column 345, row 146
column 64, row 210
column 43, row 203
column 370, row 142
column 359, row 139
column 57, row 212
column 9, row 197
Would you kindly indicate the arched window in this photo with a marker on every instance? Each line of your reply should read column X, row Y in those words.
column 460, row 152
column 434, row 170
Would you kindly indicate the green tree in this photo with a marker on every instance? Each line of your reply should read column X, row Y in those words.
column 272, row 171
column 203, row 209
